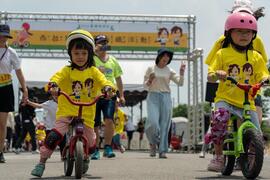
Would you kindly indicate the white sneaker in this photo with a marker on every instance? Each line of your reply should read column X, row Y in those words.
column 17, row 151
column 35, row 152
column 216, row 164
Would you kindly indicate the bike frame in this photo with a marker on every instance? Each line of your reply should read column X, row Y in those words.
column 237, row 132
column 78, row 126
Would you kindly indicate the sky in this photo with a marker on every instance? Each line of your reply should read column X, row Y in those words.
column 210, row 14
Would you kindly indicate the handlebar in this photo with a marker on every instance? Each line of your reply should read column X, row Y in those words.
column 80, row 103
column 251, row 89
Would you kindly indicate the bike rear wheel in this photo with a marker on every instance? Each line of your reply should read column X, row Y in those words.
column 252, row 160
column 68, row 164
column 79, row 159
column 229, row 160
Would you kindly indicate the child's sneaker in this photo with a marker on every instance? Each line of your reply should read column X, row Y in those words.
column 216, row 164
column 38, row 171
column 108, row 152
column 95, row 155
column 153, row 149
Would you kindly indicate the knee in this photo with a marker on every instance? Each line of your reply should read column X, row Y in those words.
column 218, row 131
column 53, row 139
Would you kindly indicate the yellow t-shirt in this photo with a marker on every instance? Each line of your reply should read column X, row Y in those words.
column 257, row 45
column 119, row 121
column 82, row 86
column 236, row 65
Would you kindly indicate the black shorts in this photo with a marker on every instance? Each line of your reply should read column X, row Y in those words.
column 258, row 100
column 6, row 98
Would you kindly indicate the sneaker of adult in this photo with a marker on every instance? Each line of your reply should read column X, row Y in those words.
column 96, row 155
column 17, row 151
column 153, row 150
column 2, row 159
column 162, row 155
column 216, row 164
column 38, row 170
column 108, row 152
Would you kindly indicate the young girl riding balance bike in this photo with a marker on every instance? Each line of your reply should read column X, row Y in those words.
column 72, row 80
column 238, row 60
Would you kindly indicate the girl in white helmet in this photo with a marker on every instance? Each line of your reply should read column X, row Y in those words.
column 72, row 80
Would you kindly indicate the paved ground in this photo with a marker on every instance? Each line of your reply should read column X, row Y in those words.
column 131, row 165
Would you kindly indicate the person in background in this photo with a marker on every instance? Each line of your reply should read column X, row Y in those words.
column 9, row 61
column 27, row 114
column 140, row 129
column 119, row 121
column 109, row 66
column 159, row 104
column 130, row 130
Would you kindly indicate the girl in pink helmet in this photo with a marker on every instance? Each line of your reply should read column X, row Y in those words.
column 237, row 49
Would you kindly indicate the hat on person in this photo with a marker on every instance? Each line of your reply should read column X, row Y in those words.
column 242, row 6
column 101, row 37
column 5, row 30
column 161, row 52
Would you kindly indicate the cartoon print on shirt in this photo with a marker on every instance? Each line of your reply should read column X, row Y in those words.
column 76, row 89
column 234, row 71
column 88, row 84
column 248, row 71
column 105, row 71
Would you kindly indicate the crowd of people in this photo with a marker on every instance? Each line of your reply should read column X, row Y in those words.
column 238, row 53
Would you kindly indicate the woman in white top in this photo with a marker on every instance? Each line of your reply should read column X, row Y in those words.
column 159, row 105
column 8, row 61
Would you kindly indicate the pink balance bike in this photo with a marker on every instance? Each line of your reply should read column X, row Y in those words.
column 76, row 149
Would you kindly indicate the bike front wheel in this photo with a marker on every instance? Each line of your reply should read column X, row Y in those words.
column 68, row 164
column 79, row 159
column 251, row 160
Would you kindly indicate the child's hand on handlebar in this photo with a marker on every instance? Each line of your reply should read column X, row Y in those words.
column 221, row 75
column 108, row 91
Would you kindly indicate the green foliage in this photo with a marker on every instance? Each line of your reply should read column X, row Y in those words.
column 266, row 130
column 180, row 110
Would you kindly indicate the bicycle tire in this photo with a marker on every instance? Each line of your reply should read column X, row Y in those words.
column 229, row 160
column 68, row 164
column 79, row 159
column 253, row 146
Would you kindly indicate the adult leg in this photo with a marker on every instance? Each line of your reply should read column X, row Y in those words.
column 152, row 122
column 165, row 122
column 3, row 123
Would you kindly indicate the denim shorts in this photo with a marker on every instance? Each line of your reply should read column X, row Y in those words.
column 238, row 112
column 107, row 107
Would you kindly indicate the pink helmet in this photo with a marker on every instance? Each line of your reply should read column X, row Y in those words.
column 241, row 20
